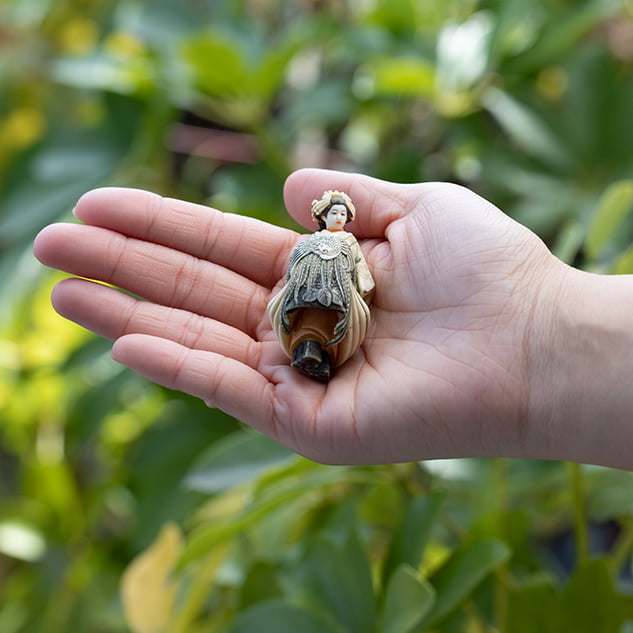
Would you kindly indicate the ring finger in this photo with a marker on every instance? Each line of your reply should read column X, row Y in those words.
column 113, row 314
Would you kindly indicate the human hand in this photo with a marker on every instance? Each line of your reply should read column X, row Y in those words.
column 444, row 370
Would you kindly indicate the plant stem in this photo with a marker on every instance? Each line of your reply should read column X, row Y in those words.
column 624, row 544
column 502, row 575
column 580, row 519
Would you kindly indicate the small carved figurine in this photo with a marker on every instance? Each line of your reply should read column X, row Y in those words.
column 321, row 315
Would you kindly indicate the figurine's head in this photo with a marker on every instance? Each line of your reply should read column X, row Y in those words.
column 320, row 208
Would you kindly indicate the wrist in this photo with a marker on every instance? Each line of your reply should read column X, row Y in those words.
column 581, row 356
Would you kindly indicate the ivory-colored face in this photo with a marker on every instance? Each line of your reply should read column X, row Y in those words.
column 336, row 218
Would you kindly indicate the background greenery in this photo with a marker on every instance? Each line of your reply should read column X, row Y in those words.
column 217, row 101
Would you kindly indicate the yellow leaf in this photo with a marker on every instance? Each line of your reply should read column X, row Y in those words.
column 147, row 589
column 23, row 126
column 124, row 44
column 78, row 36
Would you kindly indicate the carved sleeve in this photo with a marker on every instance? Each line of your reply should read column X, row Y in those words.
column 364, row 281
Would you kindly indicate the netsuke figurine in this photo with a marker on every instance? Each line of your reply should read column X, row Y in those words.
column 321, row 315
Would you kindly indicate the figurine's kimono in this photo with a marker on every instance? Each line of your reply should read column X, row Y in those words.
column 321, row 316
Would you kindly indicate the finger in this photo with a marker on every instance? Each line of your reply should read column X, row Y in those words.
column 157, row 273
column 221, row 382
column 113, row 314
column 378, row 203
column 250, row 247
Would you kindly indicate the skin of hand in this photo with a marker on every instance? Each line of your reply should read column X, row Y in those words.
column 462, row 355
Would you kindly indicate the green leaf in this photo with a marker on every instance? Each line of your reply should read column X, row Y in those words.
column 260, row 584
column 533, row 607
column 397, row 15
column 624, row 263
column 525, row 128
column 562, row 34
column 234, row 460
column 613, row 207
column 56, row 176
column 326, row 102
column 407, row 600
column 590, row 601
column 410, row 538
column 461, row 574
column 278, row 617
column 404, row 76
column 217, row 65
column 338, row 579
column 271, row 71
column 267, row 500
column 569, row 241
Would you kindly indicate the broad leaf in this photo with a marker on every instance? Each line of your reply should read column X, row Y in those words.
column 526, row 128
column 217, row 64
column 339, row 581
column 614, row 206
column 412, row 535
column 260, row 584
column 147, row 591
column 278, row 617
column 590, row 601
column 624, row 263
column 235, row 460
column 268, row 500
column 533, row 607
column 404, row 76
column 407, row 600
column 461, row 574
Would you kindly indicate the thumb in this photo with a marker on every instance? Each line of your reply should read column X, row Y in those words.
column 377, row 202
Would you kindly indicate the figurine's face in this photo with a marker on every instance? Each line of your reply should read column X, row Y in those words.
column 336, row 218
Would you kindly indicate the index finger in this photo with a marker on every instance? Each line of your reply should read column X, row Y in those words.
column 377, row 202
column 250, row 247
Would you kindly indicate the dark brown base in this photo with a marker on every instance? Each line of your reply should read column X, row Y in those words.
column 312, row 360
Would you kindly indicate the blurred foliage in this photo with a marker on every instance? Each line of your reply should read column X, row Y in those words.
column 217, row 101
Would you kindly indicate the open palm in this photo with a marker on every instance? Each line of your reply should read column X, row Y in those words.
column 442, row 372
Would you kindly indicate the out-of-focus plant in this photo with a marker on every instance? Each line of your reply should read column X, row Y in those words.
column 217, row 101
column 284, row 544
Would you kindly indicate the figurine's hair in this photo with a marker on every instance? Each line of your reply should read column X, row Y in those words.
column 321, row 207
